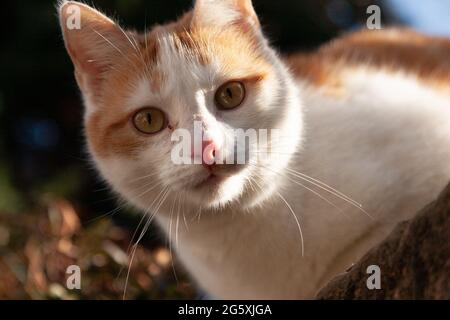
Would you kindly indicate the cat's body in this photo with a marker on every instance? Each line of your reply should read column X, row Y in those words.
column 256, row 255
column 363, row 115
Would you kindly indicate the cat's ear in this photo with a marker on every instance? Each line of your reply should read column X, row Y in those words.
column 222, row 13
column 93, row 41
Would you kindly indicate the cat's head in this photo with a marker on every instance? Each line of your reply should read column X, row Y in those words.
column 212, row 70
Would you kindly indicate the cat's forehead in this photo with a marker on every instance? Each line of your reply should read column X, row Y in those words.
column 178, row 56
column 175, row 62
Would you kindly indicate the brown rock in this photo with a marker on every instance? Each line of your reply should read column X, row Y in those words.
column 414, row 260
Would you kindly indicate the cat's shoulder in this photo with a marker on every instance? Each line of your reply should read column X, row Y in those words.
column 392, row 50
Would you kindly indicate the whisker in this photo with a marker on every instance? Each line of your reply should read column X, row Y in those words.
column 199, row 214
column 351, row 202
column 311, row 190
column 144, row 177
column 293, row 214
column 319, row 195
column 144, row 230
column 178, row 221
column 296, row 220
column 170, row 240
column 147, row 190
column 147, row 68
column 128, row 38
column 305, row 176
column 114, row 46
column 184, row 214
column 147, row 224
column 144, row 216
column 109, row 213
column 322, row 186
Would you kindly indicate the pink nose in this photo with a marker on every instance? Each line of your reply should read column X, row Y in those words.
column 208, row 152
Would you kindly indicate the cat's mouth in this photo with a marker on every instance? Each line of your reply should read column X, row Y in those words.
column 216, row 186
column 211, row 180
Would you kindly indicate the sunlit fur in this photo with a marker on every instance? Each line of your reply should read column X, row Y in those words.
column 375, row 129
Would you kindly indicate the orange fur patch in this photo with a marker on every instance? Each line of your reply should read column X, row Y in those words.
column 393, row 50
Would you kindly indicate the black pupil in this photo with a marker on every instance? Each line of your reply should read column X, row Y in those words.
column 229, row 93
column 149, row 117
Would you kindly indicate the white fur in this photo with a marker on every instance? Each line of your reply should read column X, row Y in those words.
column 385, row 143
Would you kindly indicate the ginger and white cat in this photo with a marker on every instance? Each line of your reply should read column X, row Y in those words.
column 368, row 114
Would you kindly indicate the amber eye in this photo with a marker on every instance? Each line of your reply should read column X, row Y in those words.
column 149, row 120
column 230, row 95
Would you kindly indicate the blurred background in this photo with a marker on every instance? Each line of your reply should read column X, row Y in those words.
column 54, row 211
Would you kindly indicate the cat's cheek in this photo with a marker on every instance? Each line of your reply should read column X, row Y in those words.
column 112, row 170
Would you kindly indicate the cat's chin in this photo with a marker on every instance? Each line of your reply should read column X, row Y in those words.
column 211, row 182
column 244, row 186
column 216, row 191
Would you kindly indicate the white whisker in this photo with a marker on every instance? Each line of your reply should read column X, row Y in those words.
column 296, row 220
column 170, row 240
column 144, row 230
column 324, row 185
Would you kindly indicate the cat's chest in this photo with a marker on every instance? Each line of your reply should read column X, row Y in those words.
column 261, row 251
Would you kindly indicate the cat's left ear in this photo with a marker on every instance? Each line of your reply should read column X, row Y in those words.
column 94, row 42
column 223, row 13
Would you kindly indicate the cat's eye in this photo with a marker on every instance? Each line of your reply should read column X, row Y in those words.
column 230, row 95
column 149, row 120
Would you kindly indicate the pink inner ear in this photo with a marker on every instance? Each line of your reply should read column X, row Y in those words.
column 88, row 72
column 81, row 61
column 90, row 52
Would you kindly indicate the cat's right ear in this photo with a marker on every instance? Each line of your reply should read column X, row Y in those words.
column 93, row 41
column 222, row 13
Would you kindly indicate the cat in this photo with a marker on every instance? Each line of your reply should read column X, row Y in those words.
column 363, row 140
